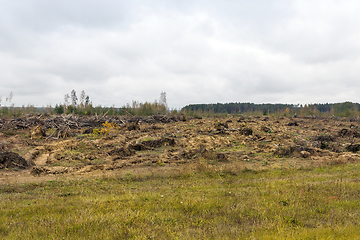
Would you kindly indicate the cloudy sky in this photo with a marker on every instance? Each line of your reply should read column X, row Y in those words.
column 198, row 51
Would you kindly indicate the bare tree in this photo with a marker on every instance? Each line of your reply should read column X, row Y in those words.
column 66, row 99
column 163, row 100
column 162, row 107
column 9, row 98
column 135, row 104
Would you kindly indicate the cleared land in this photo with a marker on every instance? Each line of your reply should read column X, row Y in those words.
column 176, row 177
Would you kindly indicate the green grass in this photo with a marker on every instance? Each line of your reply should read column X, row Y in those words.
column 205, row 202
column 147, row 139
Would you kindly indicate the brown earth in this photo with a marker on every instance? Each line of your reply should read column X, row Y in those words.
column 43, row 152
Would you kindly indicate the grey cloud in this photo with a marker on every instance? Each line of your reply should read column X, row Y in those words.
column 197, row 51
column 43, row 16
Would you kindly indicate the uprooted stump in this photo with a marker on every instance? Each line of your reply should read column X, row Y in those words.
column 246, row 131
column 290, row 150
column 353, row 147
column 37, row 132
column 349, row 133
column 284, row 151
column 305, row 154
column 265, row 129
column 12, row 160
column 132, row 126
column 291, row 124
column 87, row 130
column 221, row 126
column 221, row 157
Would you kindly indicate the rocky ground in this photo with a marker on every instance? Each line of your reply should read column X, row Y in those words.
column 47, row 146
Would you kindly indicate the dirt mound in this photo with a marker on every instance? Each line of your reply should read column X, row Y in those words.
column 150, row 144
column 121, row 152
column 203, row 153
column 325, row 138
column 293, row 150
column 38, row 170
column 12, row 160
column 138, row 147
column 291, row 124
column 159, row 142
column 91, row 168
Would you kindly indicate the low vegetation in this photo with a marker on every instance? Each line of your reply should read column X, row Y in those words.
column 199, row 201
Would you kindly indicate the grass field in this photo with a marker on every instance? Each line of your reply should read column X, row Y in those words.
column 196, row 202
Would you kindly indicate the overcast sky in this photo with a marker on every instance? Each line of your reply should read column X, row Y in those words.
column 198, row 51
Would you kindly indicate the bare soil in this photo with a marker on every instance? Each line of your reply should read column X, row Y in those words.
column 41, row 148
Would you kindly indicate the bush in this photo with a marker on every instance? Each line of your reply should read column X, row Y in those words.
column 71, row 109
column 59, row 109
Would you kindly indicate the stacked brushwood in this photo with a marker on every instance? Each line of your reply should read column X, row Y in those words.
column 62, row 125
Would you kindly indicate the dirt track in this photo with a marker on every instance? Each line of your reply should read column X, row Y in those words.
column 140, row 144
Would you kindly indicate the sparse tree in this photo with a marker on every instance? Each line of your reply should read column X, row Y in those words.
column 74, row 98
column 82, row 98
column 135, row 104
column 87, row 100
column 66, row 101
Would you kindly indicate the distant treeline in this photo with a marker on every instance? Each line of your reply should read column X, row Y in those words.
column 83, row 106
column 340, row 109
column 238, row 107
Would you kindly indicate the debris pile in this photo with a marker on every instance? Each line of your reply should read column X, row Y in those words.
column 68, row 143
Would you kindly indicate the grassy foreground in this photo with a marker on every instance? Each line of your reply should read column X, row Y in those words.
column 203, row 202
